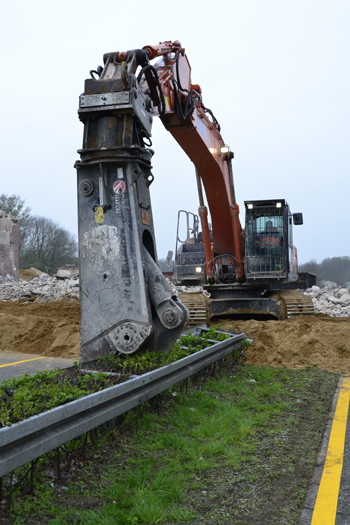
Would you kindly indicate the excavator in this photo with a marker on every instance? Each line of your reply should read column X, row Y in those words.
column 126, row 304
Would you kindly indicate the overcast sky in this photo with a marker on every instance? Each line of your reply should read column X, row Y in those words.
column 274, row 72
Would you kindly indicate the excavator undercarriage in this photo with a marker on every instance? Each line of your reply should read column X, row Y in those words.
column 243, row 304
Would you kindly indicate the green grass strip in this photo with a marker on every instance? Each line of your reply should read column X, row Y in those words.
column 240, row 449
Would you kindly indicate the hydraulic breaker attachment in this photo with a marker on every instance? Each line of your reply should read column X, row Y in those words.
column 125, row 302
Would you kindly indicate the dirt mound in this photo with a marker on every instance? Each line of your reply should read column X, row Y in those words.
column 299, row 342
column 28, row 275
column 50, row 329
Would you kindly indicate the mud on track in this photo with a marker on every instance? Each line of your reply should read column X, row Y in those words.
column 52, row 329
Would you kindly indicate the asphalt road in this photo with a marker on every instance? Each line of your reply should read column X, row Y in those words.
column 328, row 498
column 14, row 364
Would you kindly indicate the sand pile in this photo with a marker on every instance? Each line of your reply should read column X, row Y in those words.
column 50, row 329
column 299, row 342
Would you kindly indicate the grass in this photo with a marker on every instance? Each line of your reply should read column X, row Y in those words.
column 239, row 449
column 26, row 395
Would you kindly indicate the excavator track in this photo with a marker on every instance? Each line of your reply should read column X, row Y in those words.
column 196, row 304
column 297, row 303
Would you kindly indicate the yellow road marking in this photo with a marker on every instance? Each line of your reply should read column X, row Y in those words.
column 327, row 497
column 26, row 361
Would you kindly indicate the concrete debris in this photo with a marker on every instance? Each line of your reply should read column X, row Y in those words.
column 187, row 289
column 38, row 286
column 191, row 289
column 328, row 284
column 68, row 271
column 43, row 288
column 330, row 301
column 9, row 246
column 6, row 277
column 65, row 284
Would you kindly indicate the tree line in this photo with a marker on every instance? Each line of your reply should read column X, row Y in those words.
column 43, row 244
column 335, row 269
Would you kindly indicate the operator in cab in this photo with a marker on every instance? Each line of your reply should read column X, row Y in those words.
column 269, row 238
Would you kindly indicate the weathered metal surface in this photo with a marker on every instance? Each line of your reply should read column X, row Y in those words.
column 113, row 296
column 171, row 312
column 117, row 250
column 106, row 99
column 30, row 439
column 246, row 307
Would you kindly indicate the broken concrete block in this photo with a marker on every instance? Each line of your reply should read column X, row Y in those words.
column 9, row 246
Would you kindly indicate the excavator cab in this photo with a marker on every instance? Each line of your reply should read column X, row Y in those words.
column 269, row 252
column 189, row 251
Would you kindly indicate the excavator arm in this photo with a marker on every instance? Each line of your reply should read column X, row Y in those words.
column 197, row 131
column 126, row 304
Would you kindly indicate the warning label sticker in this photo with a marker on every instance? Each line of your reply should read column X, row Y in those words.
column 98, row 214
column 119, row 186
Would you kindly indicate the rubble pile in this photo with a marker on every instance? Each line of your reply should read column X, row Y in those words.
column 38, row 286
column 44, row 288
column 188, row 289
column 333, row 302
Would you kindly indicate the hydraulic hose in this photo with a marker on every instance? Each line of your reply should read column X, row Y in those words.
column 155, row 80
column 191, row 101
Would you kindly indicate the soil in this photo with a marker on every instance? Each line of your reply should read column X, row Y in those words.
column 52, row 329
column 298, row 342
column 30, row 274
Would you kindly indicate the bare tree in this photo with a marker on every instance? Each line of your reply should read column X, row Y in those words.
column 48, row 246
column 15, row 205
column 43, row 243
column 335, row 269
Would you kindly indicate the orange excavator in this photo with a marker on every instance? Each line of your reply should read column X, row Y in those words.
column 126, row 304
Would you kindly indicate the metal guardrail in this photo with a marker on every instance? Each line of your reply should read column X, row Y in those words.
column 29, row 439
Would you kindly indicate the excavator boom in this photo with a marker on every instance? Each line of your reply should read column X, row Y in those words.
column 197, row 131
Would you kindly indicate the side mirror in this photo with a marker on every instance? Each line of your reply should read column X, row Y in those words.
column 297, row 218
column 169, row 258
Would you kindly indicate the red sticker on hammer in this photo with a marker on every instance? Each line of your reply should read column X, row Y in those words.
column 119, row 186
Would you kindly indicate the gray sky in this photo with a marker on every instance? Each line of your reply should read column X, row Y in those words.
column 274, row 72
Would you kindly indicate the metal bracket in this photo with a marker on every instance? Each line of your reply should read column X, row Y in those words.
column 104, row 99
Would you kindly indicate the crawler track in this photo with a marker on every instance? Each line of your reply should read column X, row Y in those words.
column 297, row 303
column 196, row 304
